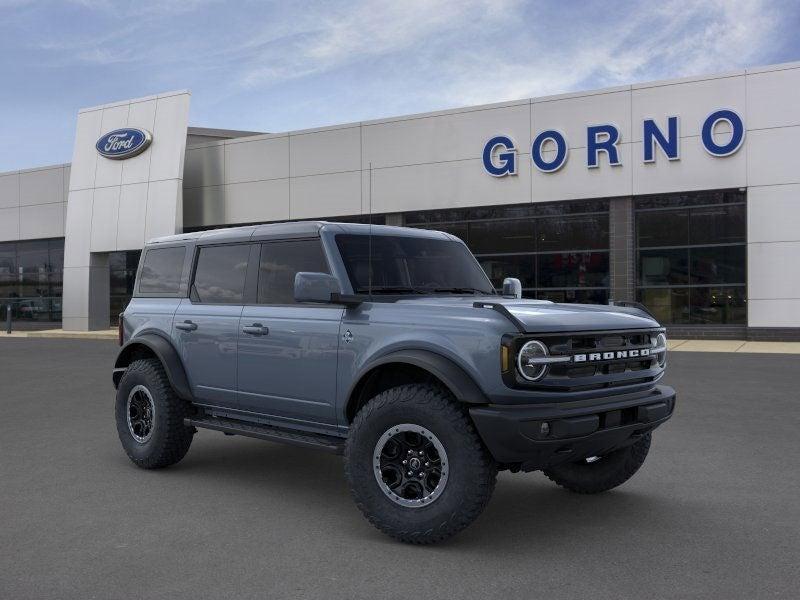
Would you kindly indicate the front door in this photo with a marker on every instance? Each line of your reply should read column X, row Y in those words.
column 288, row 351
column 207, row 323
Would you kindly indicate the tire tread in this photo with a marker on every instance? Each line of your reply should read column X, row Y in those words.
column 176, row 439
column 485, row 469
column 584, row 479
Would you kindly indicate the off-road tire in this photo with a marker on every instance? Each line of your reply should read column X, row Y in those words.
column 472, row 471
column 170, row 438
column 610, row 471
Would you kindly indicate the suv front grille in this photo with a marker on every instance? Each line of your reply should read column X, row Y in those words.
column 598, row 360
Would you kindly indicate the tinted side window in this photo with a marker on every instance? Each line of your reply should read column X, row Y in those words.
column 220, row 274
column 280, row 262
column 161, row 270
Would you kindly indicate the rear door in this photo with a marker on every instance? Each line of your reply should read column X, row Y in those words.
column 207, row 323
column 288, row 351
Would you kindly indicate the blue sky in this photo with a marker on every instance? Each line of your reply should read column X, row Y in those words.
column 276, row 66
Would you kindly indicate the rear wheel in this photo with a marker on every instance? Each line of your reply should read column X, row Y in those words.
column 150, row 416
column 601, row 473
column 416, row 467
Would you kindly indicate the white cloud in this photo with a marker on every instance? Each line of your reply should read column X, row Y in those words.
column 324, row 38
column 463, row 51
column 458, row 53
column 673, row 40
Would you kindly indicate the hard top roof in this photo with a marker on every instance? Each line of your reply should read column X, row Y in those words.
column 293, row 229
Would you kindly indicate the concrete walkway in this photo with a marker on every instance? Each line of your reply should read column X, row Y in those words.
column 674, row 345
column 104, row 334
column 734, row 346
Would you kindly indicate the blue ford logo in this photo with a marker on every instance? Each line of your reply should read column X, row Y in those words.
column 123, row 143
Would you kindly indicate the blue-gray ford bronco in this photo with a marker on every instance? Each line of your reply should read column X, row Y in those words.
column 388, row 345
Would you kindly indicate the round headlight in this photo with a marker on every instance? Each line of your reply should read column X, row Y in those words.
column 660, row 349
column 528, row 360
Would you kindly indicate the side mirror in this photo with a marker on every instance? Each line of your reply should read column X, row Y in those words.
column 315, row 287
column 512, row 288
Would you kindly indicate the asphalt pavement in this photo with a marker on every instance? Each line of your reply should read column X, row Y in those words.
column 714, row 512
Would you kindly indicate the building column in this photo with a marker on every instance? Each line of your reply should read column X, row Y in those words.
column 622, row 255
column 116, row 205
column 87, row 289
column 395, row 219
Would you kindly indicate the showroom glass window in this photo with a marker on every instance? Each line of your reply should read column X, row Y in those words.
column 559, row 250
column 31, row 278
column 692, row 256
column 122, row 269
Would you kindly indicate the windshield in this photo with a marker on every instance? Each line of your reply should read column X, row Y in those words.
column 411, row 265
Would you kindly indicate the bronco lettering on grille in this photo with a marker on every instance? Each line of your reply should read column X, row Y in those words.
column 616, row 355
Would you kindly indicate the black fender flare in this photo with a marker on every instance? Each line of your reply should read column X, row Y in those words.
column 165, row 352
column 458, row 381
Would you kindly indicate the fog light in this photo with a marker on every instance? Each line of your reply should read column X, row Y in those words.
column 545, row 428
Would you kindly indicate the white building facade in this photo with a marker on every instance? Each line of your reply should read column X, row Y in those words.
column 683, row 195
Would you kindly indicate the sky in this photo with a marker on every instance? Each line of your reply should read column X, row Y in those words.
column 279, row 66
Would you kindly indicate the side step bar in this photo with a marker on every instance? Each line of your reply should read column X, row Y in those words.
column 328, row 443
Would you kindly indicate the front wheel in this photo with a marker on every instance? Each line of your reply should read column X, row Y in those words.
column 601, row 473
column 416, row 466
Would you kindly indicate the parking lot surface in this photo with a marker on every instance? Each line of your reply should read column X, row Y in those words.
column 714, row 512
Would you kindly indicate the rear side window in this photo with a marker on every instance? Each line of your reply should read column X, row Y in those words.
column 280, row 262
column 161, row 270
column 220, row 274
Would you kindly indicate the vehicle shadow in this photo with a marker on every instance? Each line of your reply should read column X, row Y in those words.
column 527, row 510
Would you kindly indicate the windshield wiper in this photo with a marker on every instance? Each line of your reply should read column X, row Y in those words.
column 389, row 289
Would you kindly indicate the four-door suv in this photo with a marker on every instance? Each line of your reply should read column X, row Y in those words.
column 391, row 346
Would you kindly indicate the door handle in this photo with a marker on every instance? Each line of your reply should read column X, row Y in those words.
column 255, row 329
column 186, row 326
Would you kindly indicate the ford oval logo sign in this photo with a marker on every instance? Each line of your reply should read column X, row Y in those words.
column 123, row 143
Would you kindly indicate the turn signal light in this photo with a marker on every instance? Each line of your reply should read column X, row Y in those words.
column 504, row 362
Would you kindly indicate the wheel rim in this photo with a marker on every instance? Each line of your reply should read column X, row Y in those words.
column 141, row 411
column 410, row 465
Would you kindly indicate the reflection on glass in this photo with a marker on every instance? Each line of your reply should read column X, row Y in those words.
column 718, row 264
column 570, row 296
column 662, row 228
column 510, row 241
column 220, row 273
column 718, row 225
column 664, row 267
column 122, row 269
column 718, row 305
column 701, row 239
column 669, row 305
column 565, row 233
column 495, row 237
column 500, row 267
column 573, row 269
column 31, row 273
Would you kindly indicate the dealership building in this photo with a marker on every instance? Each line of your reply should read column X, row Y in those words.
column 683, row 195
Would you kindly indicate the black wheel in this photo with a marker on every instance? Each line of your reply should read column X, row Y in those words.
column 601, row 473
column 416, row 467
column 150, row 417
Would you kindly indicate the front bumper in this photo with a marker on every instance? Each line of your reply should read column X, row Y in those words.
column 538, row 436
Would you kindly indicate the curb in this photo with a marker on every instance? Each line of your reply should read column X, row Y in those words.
column 110, row 334
column 731, row 346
